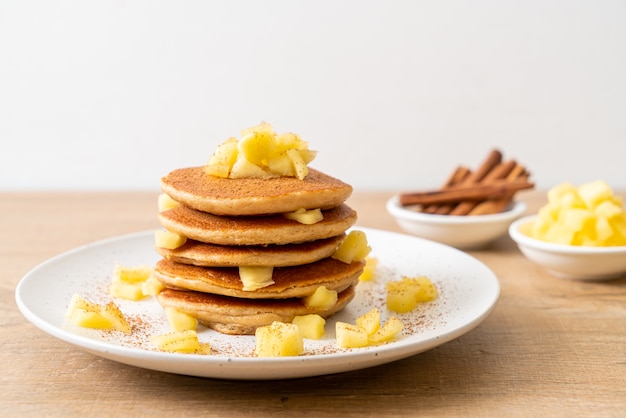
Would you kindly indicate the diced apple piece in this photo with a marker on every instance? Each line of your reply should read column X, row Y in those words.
column 426, row 291
column 255, row 277
column 353, row 248
column 124, row 290
column 369, row 321
column 322, row 299
column 400, row 297
column 559, row 234
column 133, row 274
column 165, row 202
column 578, row 219
column 178, row 342
column 257, row 146
column 245, row 169
column 152, row 286
column 608, row 209
column 169, row 240
column 79, row 302
column 281, row 164
column 117, row 318
column 555, row 193
column 180, row 321
column 305, row 216
column 88, row 319
column 279, row 339
column 350, row 335
column 311, row 326
column 92, row 315
column 388, row 331
column 404, row 295
column 369, row 270
column 299, row 165
column 221, row 162
column 126, row 282
column 593, row 193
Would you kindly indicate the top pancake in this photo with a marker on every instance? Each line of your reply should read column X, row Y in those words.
column 253, row 196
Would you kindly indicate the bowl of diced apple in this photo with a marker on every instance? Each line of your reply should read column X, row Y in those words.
column 579, row 234
column 462, row 232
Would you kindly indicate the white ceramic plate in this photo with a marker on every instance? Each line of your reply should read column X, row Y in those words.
column 468, row 293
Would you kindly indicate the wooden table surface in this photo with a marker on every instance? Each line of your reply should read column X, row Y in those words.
column 551, row 346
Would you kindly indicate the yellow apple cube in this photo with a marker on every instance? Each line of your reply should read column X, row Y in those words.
column 322, row 299
column 152, row 286
column 169, row 240
column 178, row 342
column 133, row 274
column 426, row 290
column 180, row 321
column 404, row 295
column 559, row 234
column 255, row 277
column 595, row 192
column 369, row 321
column 353, row 248
column 557, row 192
column 578, row 219
column 369, row 270
column 301, row 169
column 350, row 335
column 221, row 162
column 88, row 319
column 129, row 291
column 79, row 302
column 257, row 146
column 278, row 339
column 281, row 164
column 388, row 331
column 92, row 315
column 165, row 202
column 116, row 317
column 311, row 326
column 305, row 216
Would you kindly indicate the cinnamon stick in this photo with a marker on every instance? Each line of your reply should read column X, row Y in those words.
column 499, row 205
column 477, row 192
column 457, row 177
column 500, row 171
column 493, row 159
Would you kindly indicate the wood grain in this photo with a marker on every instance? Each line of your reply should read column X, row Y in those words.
column 551, row 347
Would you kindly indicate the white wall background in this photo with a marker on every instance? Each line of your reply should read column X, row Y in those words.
column 393, row 94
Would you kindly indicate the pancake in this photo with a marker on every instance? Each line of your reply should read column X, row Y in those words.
column 253, row 196
column 254, row 230
column 203, row 254
column 242, row 316
column 289, row 282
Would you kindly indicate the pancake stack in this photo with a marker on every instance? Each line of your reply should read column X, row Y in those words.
column 232, row 224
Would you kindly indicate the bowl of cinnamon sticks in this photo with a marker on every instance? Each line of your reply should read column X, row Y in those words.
column 471, row 209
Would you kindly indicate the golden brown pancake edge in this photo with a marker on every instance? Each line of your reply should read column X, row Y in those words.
column 253, row 196
column 254, row 230
column 242, row 316
column 289, row 282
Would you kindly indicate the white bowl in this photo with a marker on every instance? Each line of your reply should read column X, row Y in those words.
column 462, row 232
column 569, row 261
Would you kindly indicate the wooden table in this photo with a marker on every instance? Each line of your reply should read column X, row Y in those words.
column 551, row 347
